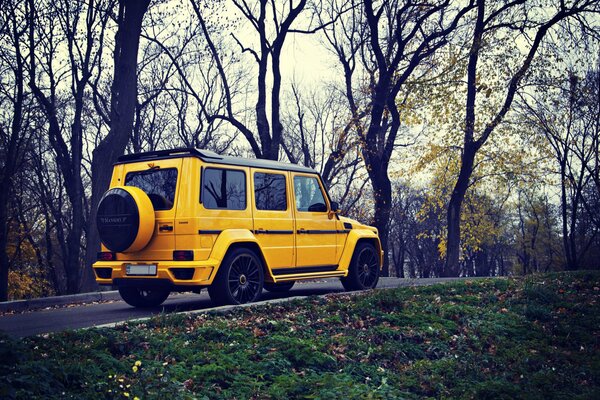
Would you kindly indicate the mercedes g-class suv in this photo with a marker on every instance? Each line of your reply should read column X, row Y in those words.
column 186, row 219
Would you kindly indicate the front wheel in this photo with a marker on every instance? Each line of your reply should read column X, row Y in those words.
column 240, row 278
column 363, row 272
column 138, row 297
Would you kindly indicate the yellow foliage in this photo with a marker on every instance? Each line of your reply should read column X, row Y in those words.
column 24, row 285
column 480, row 212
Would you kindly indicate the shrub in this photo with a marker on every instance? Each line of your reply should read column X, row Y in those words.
column 27, row 285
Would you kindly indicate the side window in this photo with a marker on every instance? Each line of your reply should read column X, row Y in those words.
column 224, row 188
column 269, row 192
column 308, row 194
column 159, row 185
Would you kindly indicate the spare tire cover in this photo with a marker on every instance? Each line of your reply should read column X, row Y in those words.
column 125, row 219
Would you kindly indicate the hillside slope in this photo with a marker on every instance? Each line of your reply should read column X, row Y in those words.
column 534, row 337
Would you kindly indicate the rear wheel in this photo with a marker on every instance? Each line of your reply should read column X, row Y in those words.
column 364, row 268
column 279, row 287
column 240, row 278
column 138, row 297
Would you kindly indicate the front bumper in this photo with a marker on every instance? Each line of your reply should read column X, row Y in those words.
column 175, row 273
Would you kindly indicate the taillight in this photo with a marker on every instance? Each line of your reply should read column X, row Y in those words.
column 183, row 255
column 106, row 256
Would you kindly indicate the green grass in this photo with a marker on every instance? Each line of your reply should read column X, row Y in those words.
column 535, row 338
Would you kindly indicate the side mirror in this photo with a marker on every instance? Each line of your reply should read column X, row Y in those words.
column 335, row 207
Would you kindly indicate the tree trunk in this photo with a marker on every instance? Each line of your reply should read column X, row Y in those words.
column 454, row 211
column 276, row 126
column 123, row 100
column 566, row 235
column 262, row 123
column 382, row 189
column 14, row 153
column 400, row 264
column 4, row 261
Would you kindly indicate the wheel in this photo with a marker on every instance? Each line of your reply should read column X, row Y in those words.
column 138, row 297
column 279, row 287
column 240, row 278
column 363, row 272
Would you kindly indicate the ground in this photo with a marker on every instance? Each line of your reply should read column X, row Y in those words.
column 534, row 337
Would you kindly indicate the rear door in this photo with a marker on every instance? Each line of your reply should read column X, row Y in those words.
column 160, row 180
column 224, row 200
column 273, row 216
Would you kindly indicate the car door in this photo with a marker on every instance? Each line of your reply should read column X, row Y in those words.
column 273, row 217
column 160, row 180
column 315, row 229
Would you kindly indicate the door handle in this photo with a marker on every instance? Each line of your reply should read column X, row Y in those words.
column 301, row 230
column 167, row 228
column 260, row 231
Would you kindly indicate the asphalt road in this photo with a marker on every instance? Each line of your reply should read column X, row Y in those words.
column 89, row 315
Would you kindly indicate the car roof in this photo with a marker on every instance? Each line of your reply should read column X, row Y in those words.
column 212, row 157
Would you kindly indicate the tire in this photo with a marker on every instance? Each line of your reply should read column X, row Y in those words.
column 240, row 278
column 138, row 297
column 125, row 219
column 279, row 287
column 364, row 269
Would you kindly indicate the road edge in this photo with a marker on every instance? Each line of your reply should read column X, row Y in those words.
column 43, row 302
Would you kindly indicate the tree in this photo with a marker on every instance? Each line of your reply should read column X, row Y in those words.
column 179, row 86
column 272, row 23
column 318, row 137
column 490, row 24
column 14, row 132
column 537, row 244
column 83, row 52
column 398, row 38
column 122, row 109
column 565, row 113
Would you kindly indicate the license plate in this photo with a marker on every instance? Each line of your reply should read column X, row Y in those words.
column 141, row 269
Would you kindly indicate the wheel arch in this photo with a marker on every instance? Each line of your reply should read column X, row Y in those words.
column 255, row 248
column 232, row 239
column 375, row 242
column 355, row 237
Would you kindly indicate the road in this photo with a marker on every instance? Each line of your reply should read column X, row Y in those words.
column 89, row 315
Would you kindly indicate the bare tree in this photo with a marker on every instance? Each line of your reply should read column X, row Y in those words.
column 272, row 22
column 565, row 113
column 122, row 109
column 14, row 132
column 182, row 83
column 318, row 137
column 65, row 19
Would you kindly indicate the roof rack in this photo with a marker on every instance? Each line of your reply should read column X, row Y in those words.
column 212, row 157
column 203, row 154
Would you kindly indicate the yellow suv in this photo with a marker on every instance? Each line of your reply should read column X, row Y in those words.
column 185, row 219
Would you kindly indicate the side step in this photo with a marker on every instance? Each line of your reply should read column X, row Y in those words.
column 312, row 275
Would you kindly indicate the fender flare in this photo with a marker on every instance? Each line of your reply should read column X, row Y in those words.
column 352, row 240
column 229, row 237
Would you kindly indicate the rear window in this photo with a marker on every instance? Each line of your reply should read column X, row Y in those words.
column 269, row 192
column 224, row 188
column 159, row 185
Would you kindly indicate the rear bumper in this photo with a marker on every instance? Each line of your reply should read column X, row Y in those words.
column 169, row 273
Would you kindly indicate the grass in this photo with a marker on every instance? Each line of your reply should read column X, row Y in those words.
column 534, row 338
